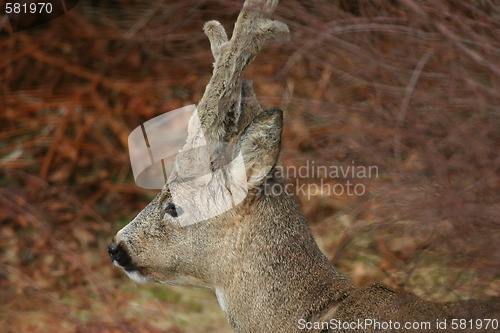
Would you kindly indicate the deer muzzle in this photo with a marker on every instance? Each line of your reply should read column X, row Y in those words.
column 120, row 257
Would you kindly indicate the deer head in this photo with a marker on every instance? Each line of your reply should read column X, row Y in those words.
column 231, row 149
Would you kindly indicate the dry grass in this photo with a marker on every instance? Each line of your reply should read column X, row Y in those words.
column 411, row 87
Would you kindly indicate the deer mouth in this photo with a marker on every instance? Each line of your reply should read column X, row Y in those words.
column 120, row 257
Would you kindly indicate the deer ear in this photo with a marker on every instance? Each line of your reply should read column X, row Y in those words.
column 259, row 145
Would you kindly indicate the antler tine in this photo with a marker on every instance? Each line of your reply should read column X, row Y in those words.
column 216, row 35
column 253, row 27
column 219, row 108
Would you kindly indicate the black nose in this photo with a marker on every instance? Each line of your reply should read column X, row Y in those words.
column 118, row 253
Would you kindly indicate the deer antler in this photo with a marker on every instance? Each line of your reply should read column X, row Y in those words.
column 219, row 109
column 229, row 103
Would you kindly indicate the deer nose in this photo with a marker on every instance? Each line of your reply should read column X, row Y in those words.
column 118, row 254
column 113, row 250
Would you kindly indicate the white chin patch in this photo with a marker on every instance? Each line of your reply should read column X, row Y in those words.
column 134, row 275
column 221, row 299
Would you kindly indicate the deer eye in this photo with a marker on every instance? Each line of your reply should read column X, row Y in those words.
column 172, row 210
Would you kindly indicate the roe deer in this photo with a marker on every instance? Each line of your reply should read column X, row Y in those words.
column 258, row 255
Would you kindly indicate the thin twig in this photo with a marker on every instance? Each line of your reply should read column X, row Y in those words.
column 406, row 102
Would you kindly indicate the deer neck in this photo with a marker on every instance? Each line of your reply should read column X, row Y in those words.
column 278, row 275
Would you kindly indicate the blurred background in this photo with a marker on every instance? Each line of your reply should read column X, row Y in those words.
column 408, row 86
